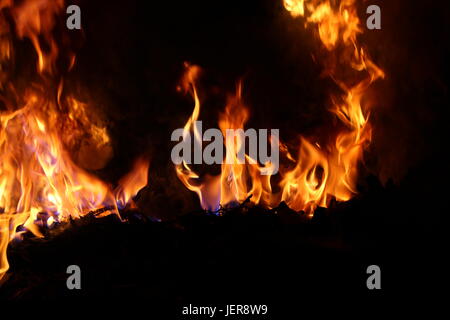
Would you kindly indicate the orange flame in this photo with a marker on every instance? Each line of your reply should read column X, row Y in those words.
column 130, row 184
column 238, row 180
column 338, row 29
column 321, row 173
column 34, row 18
column 186, row 175
column 38, row 177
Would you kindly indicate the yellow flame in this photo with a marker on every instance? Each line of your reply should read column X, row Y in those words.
column 321, row 173
column 237, row 180
column 336, row 25
column 38, row 177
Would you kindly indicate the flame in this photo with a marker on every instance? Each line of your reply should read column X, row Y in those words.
column 333, row 26
column 130, row 184
column 208, row 200
column 338, row 29
column 296, row 7
column 40, row 184
column 321, row 171
column 238, row 179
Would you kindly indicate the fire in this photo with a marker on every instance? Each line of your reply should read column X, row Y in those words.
column 131, row 183
column 237, row 181
column 338, row 29
column 321, row 171
column 187, row 176
column 40, row 184
column 334, row 26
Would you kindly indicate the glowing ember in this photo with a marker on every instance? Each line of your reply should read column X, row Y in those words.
column 37, row 127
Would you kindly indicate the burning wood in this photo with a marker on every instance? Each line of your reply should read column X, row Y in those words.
column 38, row 126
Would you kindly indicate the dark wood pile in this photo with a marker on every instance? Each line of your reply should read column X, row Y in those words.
column 245, row 253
